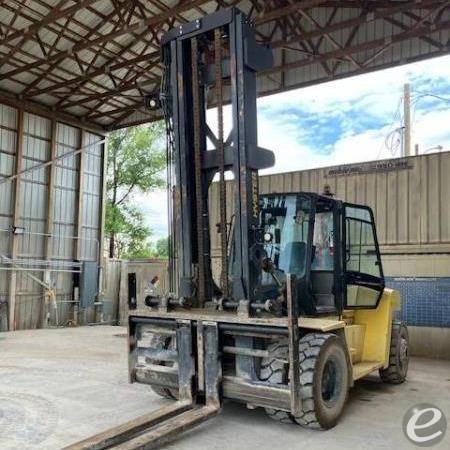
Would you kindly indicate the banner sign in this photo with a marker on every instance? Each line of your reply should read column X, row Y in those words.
column 387, row 165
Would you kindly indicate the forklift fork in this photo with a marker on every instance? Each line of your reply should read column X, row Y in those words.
column 199, row 386
column 199, row 396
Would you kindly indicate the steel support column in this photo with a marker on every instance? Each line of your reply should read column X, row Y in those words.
column 50, row 213
column 15, row 220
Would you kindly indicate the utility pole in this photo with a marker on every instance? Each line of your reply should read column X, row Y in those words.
column 407, row 120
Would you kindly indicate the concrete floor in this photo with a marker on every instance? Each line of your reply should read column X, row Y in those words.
column 59, row 386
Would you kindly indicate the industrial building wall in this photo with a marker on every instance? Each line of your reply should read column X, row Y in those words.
column 56, row 210
column 408, row 196
column 410, row 200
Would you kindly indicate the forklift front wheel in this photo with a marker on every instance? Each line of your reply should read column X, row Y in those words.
column 324, row 379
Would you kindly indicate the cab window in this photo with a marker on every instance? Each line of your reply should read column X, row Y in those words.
column 285, row 219
column 323, row 242
column 363, row 270
column 361, row 250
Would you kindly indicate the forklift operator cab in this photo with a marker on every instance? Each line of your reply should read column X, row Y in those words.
column 331, row 248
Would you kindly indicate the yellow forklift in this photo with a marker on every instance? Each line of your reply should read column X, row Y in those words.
column 300, row 310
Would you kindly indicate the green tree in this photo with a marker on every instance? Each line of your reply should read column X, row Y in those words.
column 136, row 163
column 146, row 250
column 162, row 248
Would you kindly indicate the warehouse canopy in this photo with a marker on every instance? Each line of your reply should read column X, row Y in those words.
column 94, row 61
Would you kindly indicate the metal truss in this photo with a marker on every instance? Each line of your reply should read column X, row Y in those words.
column 96, row 61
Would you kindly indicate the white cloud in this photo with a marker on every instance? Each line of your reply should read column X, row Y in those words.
column 289, row 154
column 432, row 129
column 366, row 146
column 154, row 207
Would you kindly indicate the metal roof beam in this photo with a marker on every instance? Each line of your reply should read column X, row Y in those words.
column 40, row 110
column 273, row 15
column 97, row 72
column 134, row 107
column 365, row 18
column 424, row 23
column 328, row 37
column 319, row 32
column 68, row 36
column 371, row 45
column 128, row 86
column 152, row 21
column 104, row 45
column 55, row 14
column 333, row 55
column 291, row 8
column 54, row 76
column 139, row 71
column 369, row 3
column 82, row 45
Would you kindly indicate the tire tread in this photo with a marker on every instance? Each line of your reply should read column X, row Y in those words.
column 391, row 374
column 309, row 353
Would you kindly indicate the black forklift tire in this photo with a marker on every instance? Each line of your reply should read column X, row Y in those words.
column 324, row 379
column 159, row 341
column 397, row 370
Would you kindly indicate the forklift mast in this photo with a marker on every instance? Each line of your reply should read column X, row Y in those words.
column 207, row 63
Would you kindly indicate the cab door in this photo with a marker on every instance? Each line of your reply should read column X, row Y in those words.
column 363, row 272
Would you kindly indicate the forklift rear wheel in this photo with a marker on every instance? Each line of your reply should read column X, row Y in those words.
column 163, row 342
column 324, row 379
column 397, row 370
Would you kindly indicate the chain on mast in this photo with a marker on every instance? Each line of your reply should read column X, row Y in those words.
column 198, row 173
column 221, row 151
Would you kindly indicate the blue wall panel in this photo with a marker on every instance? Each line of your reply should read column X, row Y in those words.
column 425, row 301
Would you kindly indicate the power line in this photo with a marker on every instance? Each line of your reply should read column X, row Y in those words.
column 421, row 95
column 392, row 128
column 429, row 94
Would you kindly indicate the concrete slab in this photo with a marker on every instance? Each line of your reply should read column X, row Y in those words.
column 59, row 386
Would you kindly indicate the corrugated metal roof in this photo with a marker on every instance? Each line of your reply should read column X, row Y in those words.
column 95, row 59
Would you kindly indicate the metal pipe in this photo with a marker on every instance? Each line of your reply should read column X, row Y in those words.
column 228, row 304
column 223, row 326
column 153, row 321
column 36, row 262
column 32, row 262
column 51, row 162
column 37, row 269
column 246, row 351
column 59, row 236
column 248, row 328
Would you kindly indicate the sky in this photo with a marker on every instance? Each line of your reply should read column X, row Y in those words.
column 340, row 122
